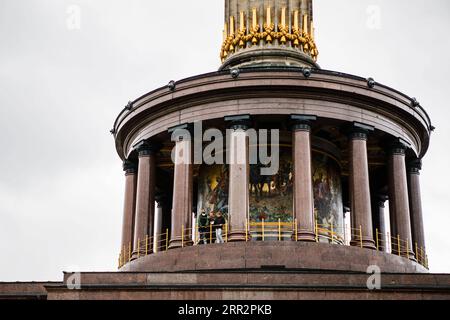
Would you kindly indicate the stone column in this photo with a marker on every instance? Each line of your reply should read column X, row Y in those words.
column 415, row 202
column 145, row 202
column 303, row 190
column 399, row 202
column 129, row 205
column 360, row 188
column 238, row 197
column 182, row 189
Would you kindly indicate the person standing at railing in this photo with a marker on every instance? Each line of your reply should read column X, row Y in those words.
column 211, row 227
column 219, row 224
column 203, row 225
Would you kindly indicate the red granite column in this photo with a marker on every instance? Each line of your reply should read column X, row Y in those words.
column 398, row 200
column 129, row 205
column 182, row 193
column 360, row 189
column 145, row 202
column 303, row 191
column 238, row 199
column 415, row 202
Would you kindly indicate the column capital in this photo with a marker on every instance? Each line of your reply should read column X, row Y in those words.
column 360, row 131
column 398, row 147
column 129, row 167
column 381, row 200
column 182, row 132
column 239, row 122
column 147, row 148
column 301, row 122
column 415, row 166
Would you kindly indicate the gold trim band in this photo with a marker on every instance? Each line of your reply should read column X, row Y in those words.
column 299, row 37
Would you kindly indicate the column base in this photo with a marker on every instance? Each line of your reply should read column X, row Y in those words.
column 178, row 243
column 175, row 244
column 237, row 237
column 366, row 244
column 143, row 251
column 141, row 254
column 411, row 255
column 304, row 236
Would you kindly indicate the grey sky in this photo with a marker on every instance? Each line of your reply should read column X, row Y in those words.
column 61, row 183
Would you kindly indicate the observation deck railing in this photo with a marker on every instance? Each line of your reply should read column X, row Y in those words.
column 275, row 231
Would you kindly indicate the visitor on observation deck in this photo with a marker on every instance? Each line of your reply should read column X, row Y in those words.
column 203, row 225
column 211, row 228
column 219, row 224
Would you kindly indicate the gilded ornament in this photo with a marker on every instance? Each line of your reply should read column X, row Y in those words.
column 299, row 38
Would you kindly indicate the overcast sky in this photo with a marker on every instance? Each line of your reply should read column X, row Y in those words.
column 61, row 87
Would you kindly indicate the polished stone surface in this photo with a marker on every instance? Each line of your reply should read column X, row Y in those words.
column 303, row 191
column 248, row 285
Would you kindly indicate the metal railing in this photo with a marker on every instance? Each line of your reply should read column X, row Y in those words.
column 275, row 231
column 271, row 231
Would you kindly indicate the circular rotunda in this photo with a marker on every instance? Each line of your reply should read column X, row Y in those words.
column 297, row 161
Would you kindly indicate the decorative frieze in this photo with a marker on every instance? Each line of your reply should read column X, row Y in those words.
column 238, row 35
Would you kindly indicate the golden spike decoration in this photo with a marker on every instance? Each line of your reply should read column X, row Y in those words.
column 296, row 29
column 225, row 32
column 296, row 25
column 242, row 22
column 305, row 33
column 305, row 24
column 242, row 30
column 283, row 27
column 231, row 36
column 255, row 27
column 231, row 26
column 268, row 28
